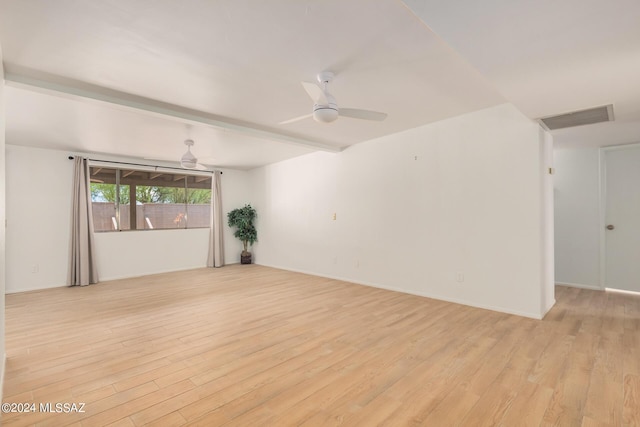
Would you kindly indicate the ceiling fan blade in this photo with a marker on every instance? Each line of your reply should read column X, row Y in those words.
column 315, row 93
column 193, row 166
column 286, row 122
column 198, row 166
column 164, row 159
column 356, row 113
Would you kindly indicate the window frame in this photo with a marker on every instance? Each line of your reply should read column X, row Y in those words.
column 154, row 172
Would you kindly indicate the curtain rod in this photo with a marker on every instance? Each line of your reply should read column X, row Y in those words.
column 152, row 166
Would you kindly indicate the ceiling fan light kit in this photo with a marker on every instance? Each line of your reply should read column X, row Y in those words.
column 322, row 114
column 188, row 164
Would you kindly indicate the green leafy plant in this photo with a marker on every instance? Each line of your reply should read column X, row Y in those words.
column 242, row 219
column 150, row 194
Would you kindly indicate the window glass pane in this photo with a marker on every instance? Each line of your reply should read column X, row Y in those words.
column 125, row 207
column 149, row 199
column 103, row 198
column 163, row 207
column 199, row 207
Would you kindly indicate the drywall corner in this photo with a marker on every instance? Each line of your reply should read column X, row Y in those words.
column 2, row 222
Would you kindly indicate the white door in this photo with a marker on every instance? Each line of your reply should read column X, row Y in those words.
column 622, row 218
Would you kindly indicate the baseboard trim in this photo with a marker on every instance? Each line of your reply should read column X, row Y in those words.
column 35, row 289
column 549, row 308
column 107, row 279
column 580, row 285
column 537, row 316
column 150, row 273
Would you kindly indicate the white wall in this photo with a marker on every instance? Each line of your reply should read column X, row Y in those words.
column 2, row 227
column 414, row 209
column 38, row 239
column 548, row 282
column 577, row 217
column 38, row 206
column 236, row 192
column 131, row 254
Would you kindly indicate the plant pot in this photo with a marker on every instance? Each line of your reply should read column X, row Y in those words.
column 245, row 258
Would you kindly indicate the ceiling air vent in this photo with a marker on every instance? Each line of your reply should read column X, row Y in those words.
column 578, row 118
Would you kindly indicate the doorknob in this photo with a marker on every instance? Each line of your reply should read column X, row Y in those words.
column 610, row 227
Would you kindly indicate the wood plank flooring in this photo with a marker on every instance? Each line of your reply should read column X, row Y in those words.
column 255, row 346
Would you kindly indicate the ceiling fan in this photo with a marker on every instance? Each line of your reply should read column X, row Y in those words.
column 325, row 107
column 188, row 160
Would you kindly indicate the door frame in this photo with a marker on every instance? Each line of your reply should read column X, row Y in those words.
column 603, row 204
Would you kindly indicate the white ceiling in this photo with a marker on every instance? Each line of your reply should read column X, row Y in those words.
column 136, row 78
column 550, row 57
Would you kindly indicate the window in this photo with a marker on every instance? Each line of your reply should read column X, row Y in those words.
column 130, row 199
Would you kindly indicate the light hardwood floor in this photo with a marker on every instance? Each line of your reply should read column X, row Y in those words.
column 255, row 346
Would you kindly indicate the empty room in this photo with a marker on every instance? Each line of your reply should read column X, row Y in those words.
column 319, row 213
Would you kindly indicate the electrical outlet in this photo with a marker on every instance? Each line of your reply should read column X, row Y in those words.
column 334, row 216
column 460, row 277
column 35, row 268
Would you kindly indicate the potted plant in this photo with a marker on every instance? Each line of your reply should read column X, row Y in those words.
column 242, row 219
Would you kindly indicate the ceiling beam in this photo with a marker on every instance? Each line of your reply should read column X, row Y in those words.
column 24, row 78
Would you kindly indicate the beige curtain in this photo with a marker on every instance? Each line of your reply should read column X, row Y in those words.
column 82, row 263
column 216, row 247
